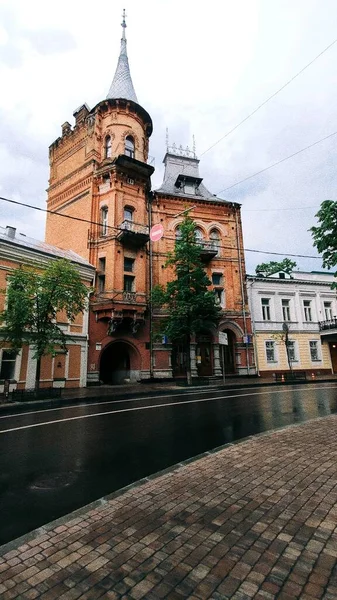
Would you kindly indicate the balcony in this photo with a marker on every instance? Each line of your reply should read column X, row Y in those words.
column 133, row 234
column 208, row 250
column 328, row 325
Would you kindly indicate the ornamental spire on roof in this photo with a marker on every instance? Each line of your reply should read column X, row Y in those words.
column 122, row 86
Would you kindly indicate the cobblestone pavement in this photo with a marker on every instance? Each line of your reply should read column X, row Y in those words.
column 256, row 519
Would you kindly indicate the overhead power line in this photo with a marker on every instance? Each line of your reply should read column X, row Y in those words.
column 270, row 98
column 164, row 237
column 278, row 162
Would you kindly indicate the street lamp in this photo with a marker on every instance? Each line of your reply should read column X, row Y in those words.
column 285, row 328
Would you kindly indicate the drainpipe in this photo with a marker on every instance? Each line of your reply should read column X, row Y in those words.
column 250, row 287
column 241, row 285
column 149, row 204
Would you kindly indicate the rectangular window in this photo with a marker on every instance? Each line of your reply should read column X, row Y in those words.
column 286, row 310
column 219, row 296
column 307, row 310
column 128, row 264
column 101, row 265
column 217, row 278
column 314, row 350
column 291, row 351
column 128, row 214
column 101, row 283
column 270, row 351
column 104, row 220
column 328, row 311
column 128, row 283
column 265, row 309
column 7, row 364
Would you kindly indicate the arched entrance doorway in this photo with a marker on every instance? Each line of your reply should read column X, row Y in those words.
column 119, row 364
column 229, row 353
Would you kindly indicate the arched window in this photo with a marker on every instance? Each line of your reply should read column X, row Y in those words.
column 178, row 234
column 215, row 238
column 128, row 213
column 104, row 220
column 129, row 146
column 199, row 236
column 107, row 147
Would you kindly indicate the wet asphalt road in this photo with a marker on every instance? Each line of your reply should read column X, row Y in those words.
column 54, row 461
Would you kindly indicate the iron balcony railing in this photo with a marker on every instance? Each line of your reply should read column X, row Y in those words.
column 325, row 325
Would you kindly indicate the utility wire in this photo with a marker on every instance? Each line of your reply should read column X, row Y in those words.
column 278, row 162
column 53, row 212
column 270, row 98
column 172, row 239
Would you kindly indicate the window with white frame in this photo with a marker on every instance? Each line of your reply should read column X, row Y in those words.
column 107, row 147
column 270, row 351
column 128, row 213
column 7, row 369
column 286, row 309
column 265, row 303
column 307, row 310
column 129, row 146
column 104, row 220
column 314, row 355
column 328, row 311
column 292, row 351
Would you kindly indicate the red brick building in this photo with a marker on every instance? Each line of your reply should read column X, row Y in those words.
column 100, row 174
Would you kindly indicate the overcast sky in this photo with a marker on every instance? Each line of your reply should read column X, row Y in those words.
column 197, row 68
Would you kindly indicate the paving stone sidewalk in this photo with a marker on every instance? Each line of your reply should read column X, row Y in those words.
column 256, row 519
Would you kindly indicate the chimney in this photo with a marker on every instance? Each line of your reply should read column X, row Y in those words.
column 10, row 232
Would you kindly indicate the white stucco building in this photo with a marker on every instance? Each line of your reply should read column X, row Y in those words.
column 304, row 306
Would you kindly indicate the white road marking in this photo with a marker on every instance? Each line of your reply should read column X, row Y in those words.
column 151, row 407
column 199, row 391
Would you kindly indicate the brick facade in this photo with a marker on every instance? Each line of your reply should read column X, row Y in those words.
column 100, row 176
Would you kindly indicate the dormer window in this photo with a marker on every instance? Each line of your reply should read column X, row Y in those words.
column 129, row 146
column 107, row 147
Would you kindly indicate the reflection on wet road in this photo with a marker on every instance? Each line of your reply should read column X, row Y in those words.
column 54, row 461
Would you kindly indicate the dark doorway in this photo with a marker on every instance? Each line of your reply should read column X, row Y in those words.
column 115, row 364
column 333, row 354
column 204, row 356
column 179, row 360
column 229, row 353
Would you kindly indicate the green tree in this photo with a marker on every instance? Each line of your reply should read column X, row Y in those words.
column 286, row 265
column 189, row 304
column 33, row 300
column 325, row 235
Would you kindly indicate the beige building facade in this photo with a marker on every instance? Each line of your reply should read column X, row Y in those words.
column 65, row 369
column 299, row 309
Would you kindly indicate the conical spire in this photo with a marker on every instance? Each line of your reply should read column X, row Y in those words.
column 122, row 86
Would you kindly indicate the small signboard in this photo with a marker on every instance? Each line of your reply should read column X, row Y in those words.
column 223, row 338
column 156, row 232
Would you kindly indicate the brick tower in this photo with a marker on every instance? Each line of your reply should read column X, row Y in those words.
column 99, row 175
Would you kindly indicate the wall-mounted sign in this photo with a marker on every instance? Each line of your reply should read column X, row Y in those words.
column 223, row 338
column 156, row 232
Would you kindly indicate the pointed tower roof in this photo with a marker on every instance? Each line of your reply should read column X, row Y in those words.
column 122, row 86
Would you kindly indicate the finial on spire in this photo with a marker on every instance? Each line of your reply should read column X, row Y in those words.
column 167, row 139
column 122, row 86
column 194, row 147
column 123, row 23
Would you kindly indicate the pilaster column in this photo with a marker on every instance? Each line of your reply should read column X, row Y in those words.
column 194, row 370
column 217, row 369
